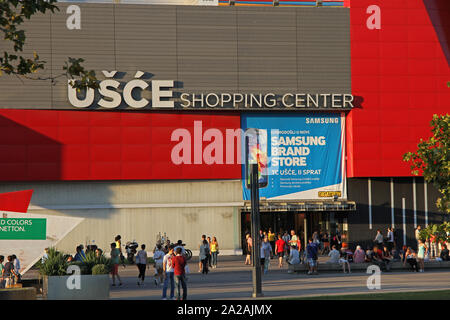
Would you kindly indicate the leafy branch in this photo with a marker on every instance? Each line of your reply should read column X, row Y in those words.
column 13, row 13
column 432, row 159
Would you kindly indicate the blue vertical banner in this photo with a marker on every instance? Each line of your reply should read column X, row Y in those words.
column 299, row 157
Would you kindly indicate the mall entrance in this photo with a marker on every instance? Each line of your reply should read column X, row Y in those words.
column 304, row 223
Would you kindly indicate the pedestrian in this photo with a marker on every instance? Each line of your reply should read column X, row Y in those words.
column 209, row 254
column 79, row 256
column 326, row 244
column 410, row 258
column 249, row 249
column 295, row 241
column 390, row 238
column 421, row 253
column 98, row 253
column 214, row 248
column 2, row 271
column 433, row 246
column 17, row 268
column 9, row 274
column 286, row 237
column 417, row 235
column 311, row 256
column 168, row 274
column 141, row 263
column 271, row 237
column 387, row 258
column 280, row 246
column 158, row 258
column 265, row 255
column 44, row 256
column 181, row 246
column 444, row 253
column 378, row 241
column 344, row 260
column 115, row 256
column 179, row 263
column 294, row 256
column 203, row 256
column 200, row 264
column 359, row 255
column 261, row 235
column 118, row 241
column 334, row 255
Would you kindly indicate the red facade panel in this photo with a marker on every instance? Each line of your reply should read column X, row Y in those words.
column 79, row 145
column 402, row 84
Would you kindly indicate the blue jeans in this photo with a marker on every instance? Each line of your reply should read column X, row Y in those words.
column 214, row 258
column 169, row 277
column 180, row 280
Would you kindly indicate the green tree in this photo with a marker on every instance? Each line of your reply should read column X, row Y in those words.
column 13, row 13
column 432, row 159
column 440, row 231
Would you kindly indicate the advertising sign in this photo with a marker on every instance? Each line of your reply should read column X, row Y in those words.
column 23, row 229
column 299, row 157
column 44, row 231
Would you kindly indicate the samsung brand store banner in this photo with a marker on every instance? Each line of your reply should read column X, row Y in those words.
column 299, row 157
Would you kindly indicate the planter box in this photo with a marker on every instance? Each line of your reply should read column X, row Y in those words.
column 92, row 287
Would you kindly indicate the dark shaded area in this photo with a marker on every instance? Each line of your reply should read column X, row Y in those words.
column 359, row 231
column 26, row 154
column 439, row 13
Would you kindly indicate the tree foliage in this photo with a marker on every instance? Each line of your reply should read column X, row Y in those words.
column 440, row 231
column 432, row 159
column 13, row 13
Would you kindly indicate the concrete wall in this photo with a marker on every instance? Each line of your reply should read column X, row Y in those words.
column 139, row 210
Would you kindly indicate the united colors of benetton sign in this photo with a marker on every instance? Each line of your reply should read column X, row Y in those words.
column 23, row 229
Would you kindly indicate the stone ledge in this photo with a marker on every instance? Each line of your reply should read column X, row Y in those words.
column 336, row 267
column 18, row 294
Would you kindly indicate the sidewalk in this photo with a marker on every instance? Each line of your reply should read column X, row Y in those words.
column 233, row 280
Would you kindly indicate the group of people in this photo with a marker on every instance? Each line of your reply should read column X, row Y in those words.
column 9, row 271
column 208, row 251
column 383, row 252
column 280, row 246
column 170, row 264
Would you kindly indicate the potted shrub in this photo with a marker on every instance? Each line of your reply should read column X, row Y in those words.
column 87, row 280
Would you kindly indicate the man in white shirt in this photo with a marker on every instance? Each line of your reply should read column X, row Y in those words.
column 158, row 258
column 334, row 255
column 168, row 275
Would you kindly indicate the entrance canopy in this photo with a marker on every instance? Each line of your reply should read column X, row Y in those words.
column 303, row 205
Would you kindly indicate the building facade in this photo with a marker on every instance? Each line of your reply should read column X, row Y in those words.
column 113, row 156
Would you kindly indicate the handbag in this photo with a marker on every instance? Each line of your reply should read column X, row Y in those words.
column 217, row 251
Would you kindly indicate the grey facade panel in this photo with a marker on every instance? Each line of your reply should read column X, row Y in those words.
column 203, row 49
column 205, row 16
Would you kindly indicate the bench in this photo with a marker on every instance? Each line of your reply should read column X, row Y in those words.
column 362, row 267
